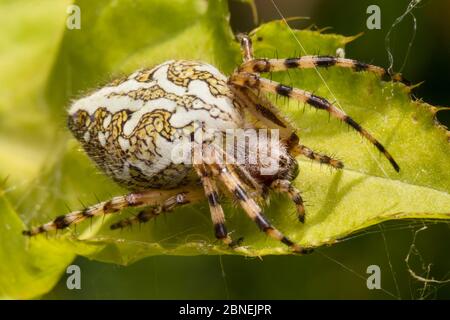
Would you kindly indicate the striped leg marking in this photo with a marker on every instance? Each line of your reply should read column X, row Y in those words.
column 265, row 112
column 321, row 158
column 285, row 186
column 307, row 62
column 166, row 206
column 212, row 194
column 114, row 205
column 254, row 81
column 252, row 209
column 242, row 174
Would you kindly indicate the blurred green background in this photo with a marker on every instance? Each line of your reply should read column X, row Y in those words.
column 338, row 272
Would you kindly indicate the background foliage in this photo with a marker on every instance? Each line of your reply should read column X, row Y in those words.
column 80, row 62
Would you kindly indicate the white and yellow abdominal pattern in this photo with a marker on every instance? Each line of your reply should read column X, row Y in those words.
column 131, row 126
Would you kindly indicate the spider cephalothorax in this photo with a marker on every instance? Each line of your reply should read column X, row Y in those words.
column 134, row 127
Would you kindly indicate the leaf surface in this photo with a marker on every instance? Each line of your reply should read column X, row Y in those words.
column 117, row 37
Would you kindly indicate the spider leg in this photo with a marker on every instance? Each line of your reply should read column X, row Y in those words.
column 212, row 193
column 264, row 111
column 155, row 210
column 252, row 209
column 143, row 216
column 240, row 172
column 246, row 47
column 285, row 186
column 116, row 204
column 307, row 62
column 322, row 158
column 254, row 81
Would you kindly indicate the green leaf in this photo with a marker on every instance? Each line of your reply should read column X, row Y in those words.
column 117, row 37
column 28, row 269
column 28, row 41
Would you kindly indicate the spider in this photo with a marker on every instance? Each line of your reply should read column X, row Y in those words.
column 129, row 128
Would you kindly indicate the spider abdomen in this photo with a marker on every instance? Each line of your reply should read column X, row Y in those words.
column 131, row 126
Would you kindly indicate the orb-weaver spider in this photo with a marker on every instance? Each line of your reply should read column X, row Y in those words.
column 130, row 127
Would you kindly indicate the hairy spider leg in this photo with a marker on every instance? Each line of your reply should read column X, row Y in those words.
column 253, row 210
column 155, row 210
column 260, row 107
column 264, row 111
column 315, row 156
column 254, row 81
column 212, row 194
column 239, row 171
column 114, row 205
column 285, row 186
column 306, row 62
